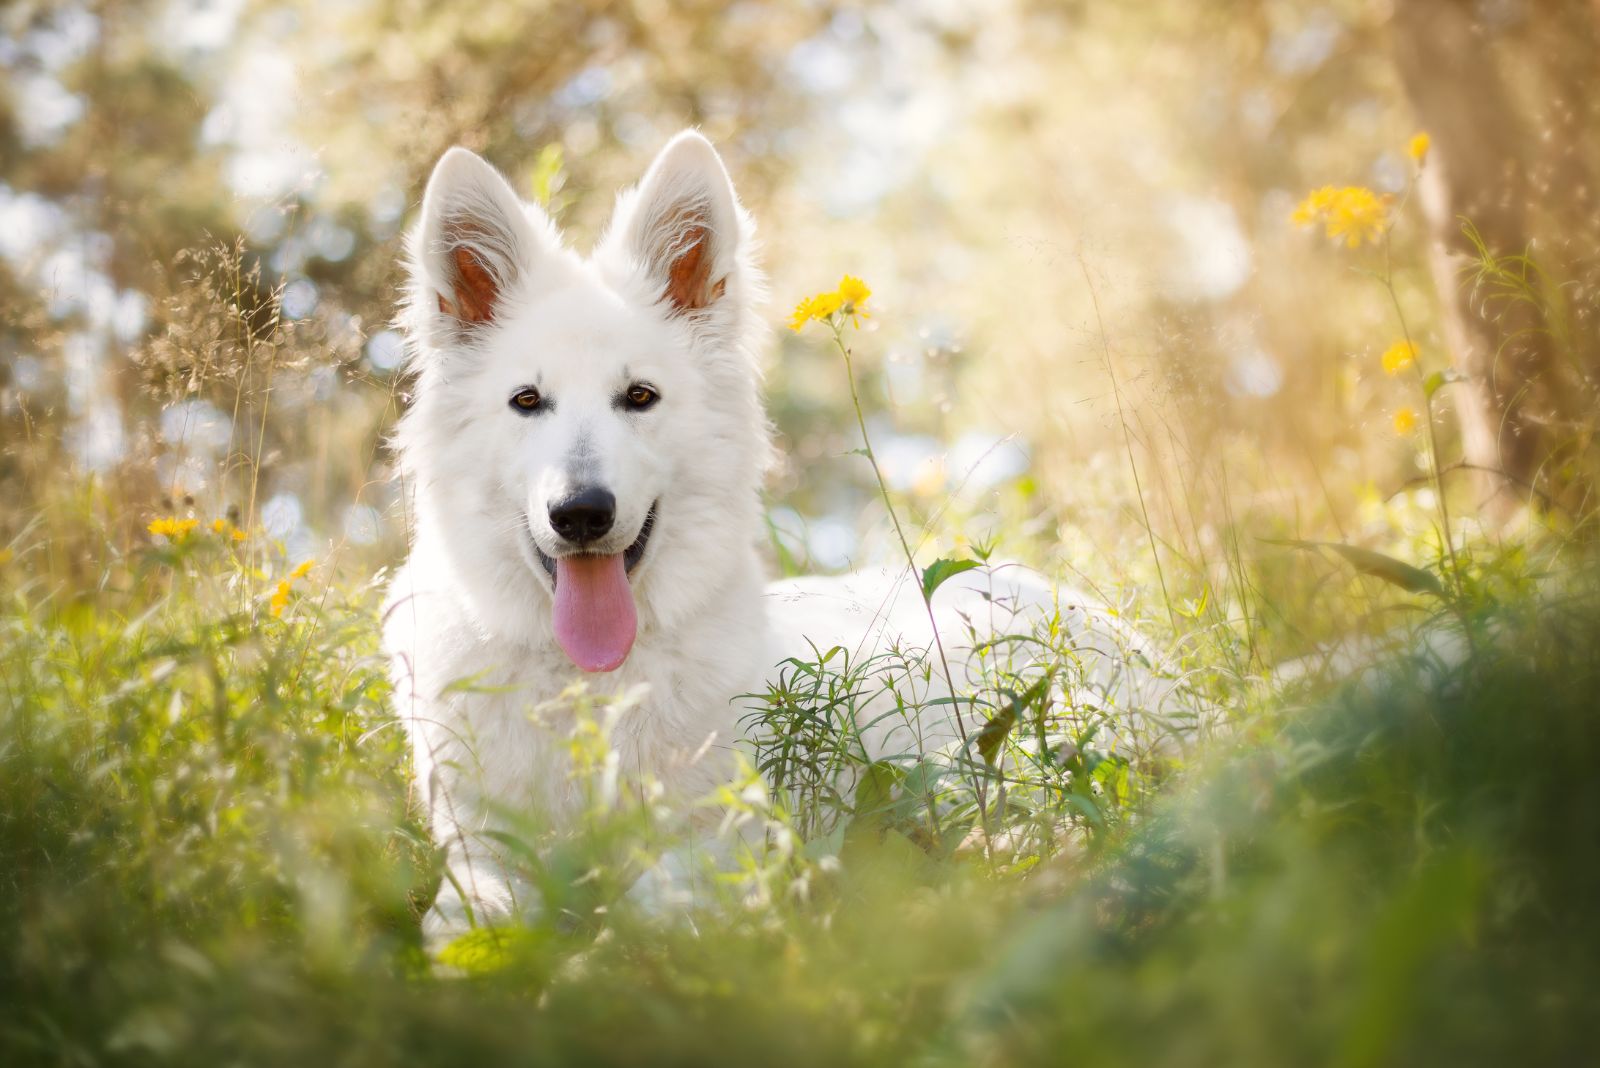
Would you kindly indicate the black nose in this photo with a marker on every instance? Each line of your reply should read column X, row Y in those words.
column 583, row 515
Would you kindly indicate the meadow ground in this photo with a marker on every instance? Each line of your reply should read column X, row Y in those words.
column 209, row 853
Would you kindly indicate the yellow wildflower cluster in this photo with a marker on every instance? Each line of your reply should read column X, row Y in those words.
column 227, row 529
column 280, row 595
column 1418, row 147
column 1401, row 356
column 1353, row 214
column 848, row 299
column 175, row 528
column 172, row 527
column 1405, row 421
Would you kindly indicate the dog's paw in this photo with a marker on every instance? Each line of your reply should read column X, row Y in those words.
column 670, row 888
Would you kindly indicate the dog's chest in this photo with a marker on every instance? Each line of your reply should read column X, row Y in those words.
column 495, row 726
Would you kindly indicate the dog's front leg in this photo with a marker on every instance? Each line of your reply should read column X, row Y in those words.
column 478, row 890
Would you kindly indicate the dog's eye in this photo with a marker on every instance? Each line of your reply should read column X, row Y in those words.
column 526, row 400
column 640, row 397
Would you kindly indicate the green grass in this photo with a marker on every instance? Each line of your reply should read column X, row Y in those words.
column 210, row 851
column 208, row 856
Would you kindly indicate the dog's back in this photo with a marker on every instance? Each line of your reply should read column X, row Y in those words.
column 991, row 630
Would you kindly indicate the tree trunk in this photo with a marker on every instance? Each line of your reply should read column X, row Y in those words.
column 1476, row 172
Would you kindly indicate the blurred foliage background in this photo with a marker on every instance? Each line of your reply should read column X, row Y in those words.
column 1099, row 342
column 1076, row 218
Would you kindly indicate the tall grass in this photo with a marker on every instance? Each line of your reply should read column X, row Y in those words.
column 209, row 851
column 208, row 856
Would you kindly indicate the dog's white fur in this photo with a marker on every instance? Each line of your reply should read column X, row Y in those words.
column 473, row 603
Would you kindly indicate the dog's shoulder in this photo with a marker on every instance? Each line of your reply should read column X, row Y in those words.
column 426, row 625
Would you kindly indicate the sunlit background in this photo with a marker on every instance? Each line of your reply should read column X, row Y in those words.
column 1274, row 325
column 1093, row 313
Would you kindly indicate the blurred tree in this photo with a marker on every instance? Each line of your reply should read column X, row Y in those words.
column 103, row 184
column 135, row 133
column 1508, row 179
column 984, row 168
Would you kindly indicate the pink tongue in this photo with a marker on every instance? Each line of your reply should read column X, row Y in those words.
column 594, row 617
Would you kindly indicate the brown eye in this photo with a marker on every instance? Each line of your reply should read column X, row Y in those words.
column 526, row 400
column 640, row 397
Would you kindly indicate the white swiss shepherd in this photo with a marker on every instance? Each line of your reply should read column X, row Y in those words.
column 582, row 462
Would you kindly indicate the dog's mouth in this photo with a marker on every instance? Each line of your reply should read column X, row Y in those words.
column 630, row 556
column 593, row 617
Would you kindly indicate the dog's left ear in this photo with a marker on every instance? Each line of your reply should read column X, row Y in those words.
column 683, row 227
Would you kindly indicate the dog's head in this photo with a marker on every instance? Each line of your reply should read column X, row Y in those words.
column 586, row 439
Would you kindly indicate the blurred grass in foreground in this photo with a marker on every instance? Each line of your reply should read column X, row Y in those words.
column 207, row 857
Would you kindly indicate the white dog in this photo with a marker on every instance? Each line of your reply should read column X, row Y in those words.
column 583, row 457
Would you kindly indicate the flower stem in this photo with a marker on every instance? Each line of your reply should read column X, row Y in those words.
column 1427, row 411
column 837, row 326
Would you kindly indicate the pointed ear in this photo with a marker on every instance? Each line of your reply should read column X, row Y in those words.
column 474, row 242
column 683, row 227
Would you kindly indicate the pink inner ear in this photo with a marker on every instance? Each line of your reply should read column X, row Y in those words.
column 474, row 289
column 689, row 278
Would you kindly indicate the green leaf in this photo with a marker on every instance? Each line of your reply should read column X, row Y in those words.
column 940, row 571
column 994, row 732
column 1395, row 572
column 923, row 780
column 473, row 684
column 1433, row 382
column 548, row 176
column 485, row 950
column 1194, row 609
column 872, row 806
column 875, row 791
column 827, row 845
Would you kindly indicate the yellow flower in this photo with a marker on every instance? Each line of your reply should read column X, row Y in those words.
column 1405, row 421
column 804, row 312
column 171, row 527
column 1358, row 215
column 1418, row 147
column 1353, row 214
column 226, row 528
column 818, row 307
column 853, row 290
column 848, row 298
column 853, row 294
column 280, row 595
column 6, row 556
column 1399, row 357
column 1315, row 206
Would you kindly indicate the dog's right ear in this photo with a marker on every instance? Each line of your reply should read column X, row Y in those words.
column 475, row 241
